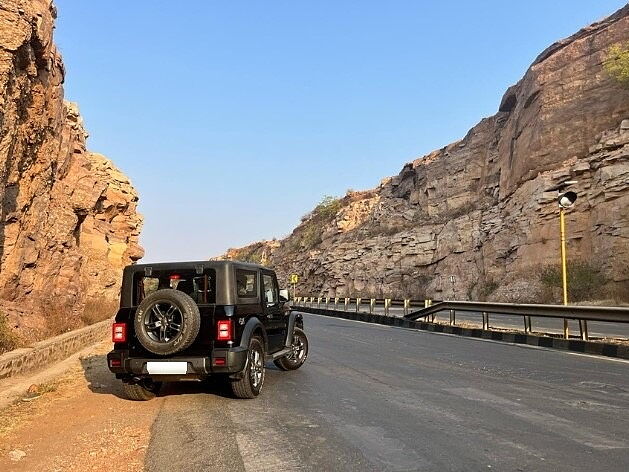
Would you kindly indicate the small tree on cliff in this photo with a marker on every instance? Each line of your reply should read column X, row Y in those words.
column 617, row 63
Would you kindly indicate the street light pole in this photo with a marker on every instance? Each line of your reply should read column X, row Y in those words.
column 564, row 269
column 565, row 200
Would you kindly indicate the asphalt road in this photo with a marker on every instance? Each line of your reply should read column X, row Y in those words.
column 376, row 398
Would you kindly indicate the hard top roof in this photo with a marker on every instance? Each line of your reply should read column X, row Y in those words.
column 192, row 265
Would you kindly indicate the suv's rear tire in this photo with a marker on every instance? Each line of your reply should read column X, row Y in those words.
column 298, row 355
column 141, row 391
column 250, row 385
column 151, row 322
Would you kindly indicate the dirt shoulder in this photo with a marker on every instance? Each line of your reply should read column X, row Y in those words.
column 79, row 422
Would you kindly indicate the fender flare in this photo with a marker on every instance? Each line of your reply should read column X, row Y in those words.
column 252, row 324
column 294, row 319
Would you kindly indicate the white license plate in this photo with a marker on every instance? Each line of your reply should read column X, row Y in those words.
column 167, row 367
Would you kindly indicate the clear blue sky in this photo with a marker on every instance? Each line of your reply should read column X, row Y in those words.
column 234, row 118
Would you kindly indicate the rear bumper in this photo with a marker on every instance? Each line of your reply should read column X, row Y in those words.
column 220, row 361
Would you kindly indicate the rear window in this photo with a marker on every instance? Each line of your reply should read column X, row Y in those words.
column 200, row 287
column 246, row 283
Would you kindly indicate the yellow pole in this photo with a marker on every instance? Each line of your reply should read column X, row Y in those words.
column 564, row 270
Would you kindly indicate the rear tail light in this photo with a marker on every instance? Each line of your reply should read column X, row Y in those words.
column 224, row 330
column 115, row 363
column 119, row 333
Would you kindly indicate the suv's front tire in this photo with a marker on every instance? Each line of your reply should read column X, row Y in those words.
column 298, row 355
column 250, row 385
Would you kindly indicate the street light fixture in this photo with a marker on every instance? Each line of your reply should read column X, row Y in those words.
column 567, row 199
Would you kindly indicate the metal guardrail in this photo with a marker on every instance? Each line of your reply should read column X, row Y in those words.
column 429, row 308
column 372, row 303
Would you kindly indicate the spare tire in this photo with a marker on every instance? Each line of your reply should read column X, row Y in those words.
column 167, row 321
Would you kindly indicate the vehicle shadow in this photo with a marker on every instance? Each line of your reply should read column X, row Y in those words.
column 99, row 379
column 102, row 381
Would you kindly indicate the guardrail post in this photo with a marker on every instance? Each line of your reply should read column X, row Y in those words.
column 527, row 320
column 566, row 331
column 346, row 304
column 452, row 317
column 432, row 317
column 407, row 303
column 336, row 303
column 318, row 302
column 387, row 304
column 372, row 304
column 485, row 320
column 583, row 326
column 358, row 300
column 327, row 302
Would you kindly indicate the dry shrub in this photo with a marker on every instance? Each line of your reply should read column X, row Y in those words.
column 585, row 281
column 59, row 315
column 486, row 288
column 311, row 236
column 98, row 310
column 67, row 314
column 619, row 291
column 521, row 290
column 9, row 340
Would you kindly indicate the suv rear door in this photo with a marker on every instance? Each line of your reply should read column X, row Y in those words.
column 275, row 320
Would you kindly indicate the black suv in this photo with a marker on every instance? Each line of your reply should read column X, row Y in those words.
column 192, row 320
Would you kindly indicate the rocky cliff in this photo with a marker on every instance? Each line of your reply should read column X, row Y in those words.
column 68, row 220
column 480, row 209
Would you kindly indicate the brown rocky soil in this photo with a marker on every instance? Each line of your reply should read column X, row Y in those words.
column 77, row 423
column 481, row 209
column 68, row 220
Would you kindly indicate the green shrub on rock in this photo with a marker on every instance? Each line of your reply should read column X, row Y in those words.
column 617, row 63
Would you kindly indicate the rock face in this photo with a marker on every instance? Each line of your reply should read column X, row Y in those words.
column 480, row 209
column 68, row 220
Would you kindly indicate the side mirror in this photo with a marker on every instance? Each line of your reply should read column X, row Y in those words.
column 284, row 296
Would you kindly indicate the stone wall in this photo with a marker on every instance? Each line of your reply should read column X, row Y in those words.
column 46, row 353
